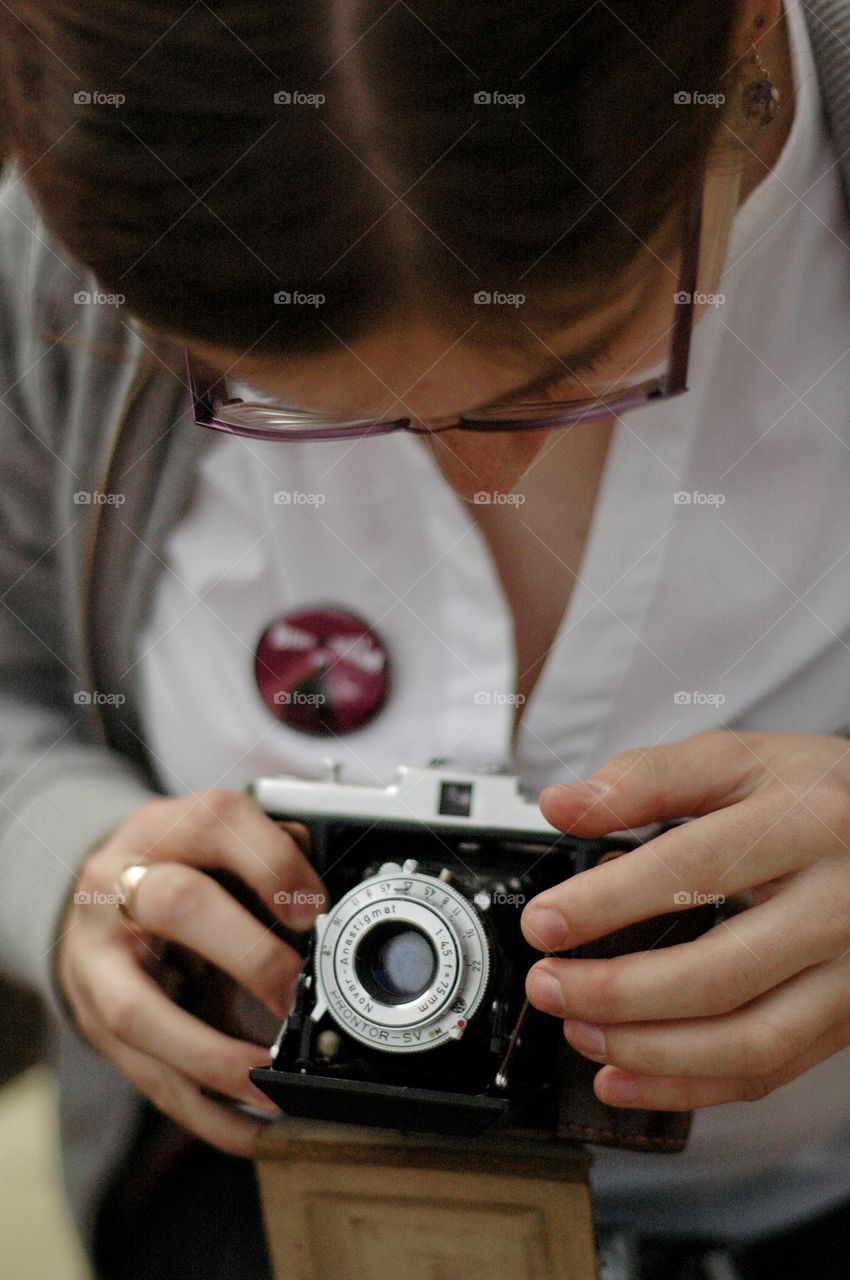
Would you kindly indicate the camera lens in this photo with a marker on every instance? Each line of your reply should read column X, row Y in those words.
column 395, row 962
column 402, row 962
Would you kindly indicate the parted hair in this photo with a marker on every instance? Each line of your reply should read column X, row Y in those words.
column 403, row 170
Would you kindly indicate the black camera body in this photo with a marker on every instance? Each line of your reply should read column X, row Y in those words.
column 410, row 1010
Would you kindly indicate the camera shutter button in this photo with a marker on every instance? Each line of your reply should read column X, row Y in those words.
column 393, row 869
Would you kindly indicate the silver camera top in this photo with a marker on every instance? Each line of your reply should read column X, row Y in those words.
column 487, row 796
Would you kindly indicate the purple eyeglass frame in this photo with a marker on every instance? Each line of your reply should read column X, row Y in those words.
column 206, row 405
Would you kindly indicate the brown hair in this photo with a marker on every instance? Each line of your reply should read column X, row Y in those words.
column 200, row 196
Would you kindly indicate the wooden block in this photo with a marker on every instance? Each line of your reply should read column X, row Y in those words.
column 348, row 1203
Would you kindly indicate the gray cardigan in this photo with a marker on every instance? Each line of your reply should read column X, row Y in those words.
column 91, row 404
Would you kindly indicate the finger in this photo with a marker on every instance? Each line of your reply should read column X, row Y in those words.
column 299, row 833
column 654, row 784
column 623, row 1089
column 755, row 1041
column 731, row 964
column 187, row 906
column 611, row 854
column 135, row 1011
column 710, row 859
column 221, row 828
column 176, row 1096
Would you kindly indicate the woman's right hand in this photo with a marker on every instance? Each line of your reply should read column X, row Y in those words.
column 106, row 969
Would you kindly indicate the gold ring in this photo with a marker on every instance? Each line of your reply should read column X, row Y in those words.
column 126, row 888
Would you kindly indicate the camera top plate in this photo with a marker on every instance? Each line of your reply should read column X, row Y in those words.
column 489, row 802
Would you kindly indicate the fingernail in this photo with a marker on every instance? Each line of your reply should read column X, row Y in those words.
column 300, row 921
column 291, row 992
column 545, row 928
column 303, row 908
column 587, row 1037
column 573, row 790
column 619, row 1089
column 279, row 1008
column 546, row 994
column 261, row 1103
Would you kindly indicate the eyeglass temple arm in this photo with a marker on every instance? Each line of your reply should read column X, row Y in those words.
column 683, row 323
column 195, row 371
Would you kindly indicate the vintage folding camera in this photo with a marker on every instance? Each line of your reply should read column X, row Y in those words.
column 410, row 1009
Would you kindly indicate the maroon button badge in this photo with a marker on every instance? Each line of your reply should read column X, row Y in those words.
column 322, row 671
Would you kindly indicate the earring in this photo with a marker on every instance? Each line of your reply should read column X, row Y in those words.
column 760, row 97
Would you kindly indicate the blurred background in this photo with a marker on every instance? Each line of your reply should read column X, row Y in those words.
column 37, row 1237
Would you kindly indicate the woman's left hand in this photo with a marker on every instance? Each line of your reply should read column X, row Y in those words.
column 761, row 997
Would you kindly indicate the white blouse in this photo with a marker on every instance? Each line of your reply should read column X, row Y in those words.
column 729, row 609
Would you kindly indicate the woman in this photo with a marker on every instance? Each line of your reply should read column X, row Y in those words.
column 392, row 214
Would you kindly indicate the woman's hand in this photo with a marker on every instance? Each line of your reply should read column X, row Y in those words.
column 105, row 968
column 758, row 999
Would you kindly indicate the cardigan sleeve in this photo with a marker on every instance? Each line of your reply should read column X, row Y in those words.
column 60, row 793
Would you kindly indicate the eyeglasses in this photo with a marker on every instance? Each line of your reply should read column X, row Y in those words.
column 211, row 407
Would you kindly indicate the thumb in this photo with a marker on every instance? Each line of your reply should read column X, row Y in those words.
column 655, row 784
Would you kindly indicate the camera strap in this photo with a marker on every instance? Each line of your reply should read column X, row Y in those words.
column 581, row 1114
